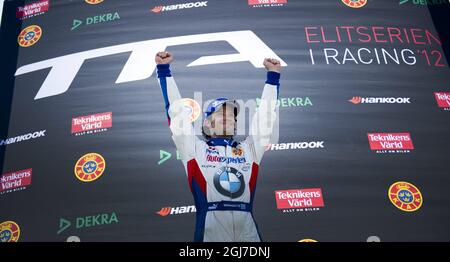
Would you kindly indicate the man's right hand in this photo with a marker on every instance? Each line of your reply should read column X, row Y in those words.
column 272, row 64
column 163, row 58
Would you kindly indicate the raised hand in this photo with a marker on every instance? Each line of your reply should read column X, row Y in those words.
column 272, row 64
column 163, row 58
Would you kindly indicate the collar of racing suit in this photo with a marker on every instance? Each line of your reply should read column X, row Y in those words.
column 217, row 141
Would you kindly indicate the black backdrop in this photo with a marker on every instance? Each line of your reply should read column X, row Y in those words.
column 137, row 183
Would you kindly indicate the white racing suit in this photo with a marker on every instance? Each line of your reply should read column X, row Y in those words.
column 222, row 173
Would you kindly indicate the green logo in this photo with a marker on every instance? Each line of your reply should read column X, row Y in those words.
column 63, row 225
column 291, row 102
column 76, row 24
column 95, row 20
column 88, row 221
column 164, row 156
column 425, row 2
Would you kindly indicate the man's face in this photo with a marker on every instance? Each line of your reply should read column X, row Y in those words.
column 223, row 121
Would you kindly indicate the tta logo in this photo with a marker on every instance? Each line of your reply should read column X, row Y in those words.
column 405, row 196
column 9, row 231
column 138, row 67
column 93, row 2
column 29, row 36
column 90, row 167
column 307, row 240
column 354, row 3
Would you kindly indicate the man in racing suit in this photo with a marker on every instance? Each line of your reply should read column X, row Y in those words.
column 221, row 172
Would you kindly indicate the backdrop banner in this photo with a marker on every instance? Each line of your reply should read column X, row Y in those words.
column 363, row 146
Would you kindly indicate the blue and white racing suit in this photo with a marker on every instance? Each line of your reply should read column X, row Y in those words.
column 222, row 173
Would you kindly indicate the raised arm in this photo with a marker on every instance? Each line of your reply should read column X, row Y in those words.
column 266, row 114
column 177, row 115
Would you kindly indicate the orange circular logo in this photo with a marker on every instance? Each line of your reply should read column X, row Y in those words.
column 307, row 240
column 29, row 36
column 90, row 167
column 93, row 2
column 9, row 231
column 193, row 108
column 237, row 151
column 405, row 196
column 354, row 3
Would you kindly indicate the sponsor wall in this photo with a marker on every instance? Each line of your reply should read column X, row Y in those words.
column 364, row 109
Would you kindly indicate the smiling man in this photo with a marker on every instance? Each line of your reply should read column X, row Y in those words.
column 222, row 172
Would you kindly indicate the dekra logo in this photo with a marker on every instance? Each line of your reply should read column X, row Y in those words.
column 95, row 20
